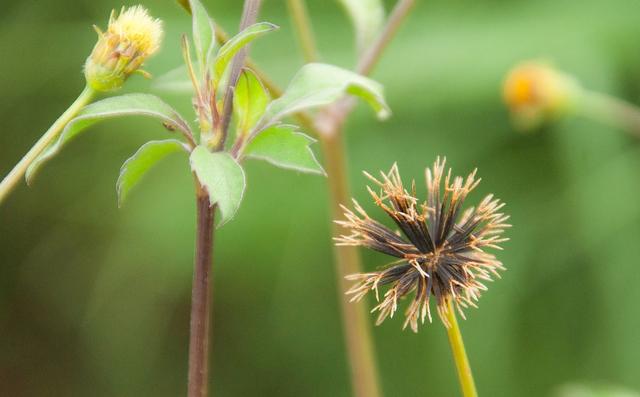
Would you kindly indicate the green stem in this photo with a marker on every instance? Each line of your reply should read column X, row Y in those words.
column 18, row 171
column 460, row 355
column 302, row 23
column 355, row 323
column 373, row 54
column 329, row 127
column 610, row 110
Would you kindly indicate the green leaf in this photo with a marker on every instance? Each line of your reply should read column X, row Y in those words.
column 204, row 34
column 137, row 165
column 249, row 101
column 176, row 81
column 283, row 146
column 368, row 18
column 235, row 44
column 124, row 105
column 318, row 84
column 223, row 178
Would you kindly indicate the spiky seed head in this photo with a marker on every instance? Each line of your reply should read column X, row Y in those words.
column 536, row 93
column 439, row 249
column 131, row 38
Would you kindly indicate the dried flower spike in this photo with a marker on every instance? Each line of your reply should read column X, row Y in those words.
column 130, row 39
column 441, row 250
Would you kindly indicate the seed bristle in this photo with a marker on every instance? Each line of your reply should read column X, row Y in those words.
column 440, row 248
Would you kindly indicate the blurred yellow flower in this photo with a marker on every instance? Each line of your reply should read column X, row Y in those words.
column 535, row 93
column 130, row 39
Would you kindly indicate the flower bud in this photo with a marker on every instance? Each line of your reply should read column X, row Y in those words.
column 537, row 93
column 130, row 39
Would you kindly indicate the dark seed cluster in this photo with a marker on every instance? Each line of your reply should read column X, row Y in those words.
column 440, row 248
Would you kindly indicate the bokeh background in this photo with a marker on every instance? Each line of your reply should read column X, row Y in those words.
column 94, row 300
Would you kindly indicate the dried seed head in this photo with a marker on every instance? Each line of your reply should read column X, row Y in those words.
column 536, row 93
column 130, row 39
column 440, row 248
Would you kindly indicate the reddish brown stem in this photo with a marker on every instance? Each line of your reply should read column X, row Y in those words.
column 249, row 17
column 201, row 299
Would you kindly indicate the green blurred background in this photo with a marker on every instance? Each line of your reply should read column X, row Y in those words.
column 94, row 300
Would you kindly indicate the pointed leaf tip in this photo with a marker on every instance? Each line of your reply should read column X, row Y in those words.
column 136, row 167
column 285, row 147
column 236, row 43
column 204, row 34
column 317, row 84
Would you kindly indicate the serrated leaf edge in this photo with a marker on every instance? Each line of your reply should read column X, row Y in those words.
column 306, row 170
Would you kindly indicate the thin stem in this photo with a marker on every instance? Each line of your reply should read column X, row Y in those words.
column 201, row 294
column 329, row 125
column 18, row 171
column 249, row 16
column 372, row 55
column 303, row 118
column 355, row 324
column 275, row 91
column 201, row 298
column 460, row 355
column 330, row 120
column 222, row 37
column 610, row 110
column 304, row 30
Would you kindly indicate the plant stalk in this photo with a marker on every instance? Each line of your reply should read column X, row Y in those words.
column 355, row 324
column 18, row 171
column 199, row 334
column 373, row 54
column 329, row 126
column 610, row 110
column 201, row 295
column 249, row 17
column 222, row 37
column 302, row 23
column 460, row 355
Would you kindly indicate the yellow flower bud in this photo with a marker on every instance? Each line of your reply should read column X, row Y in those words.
column 130, row 39
column 536, row 93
